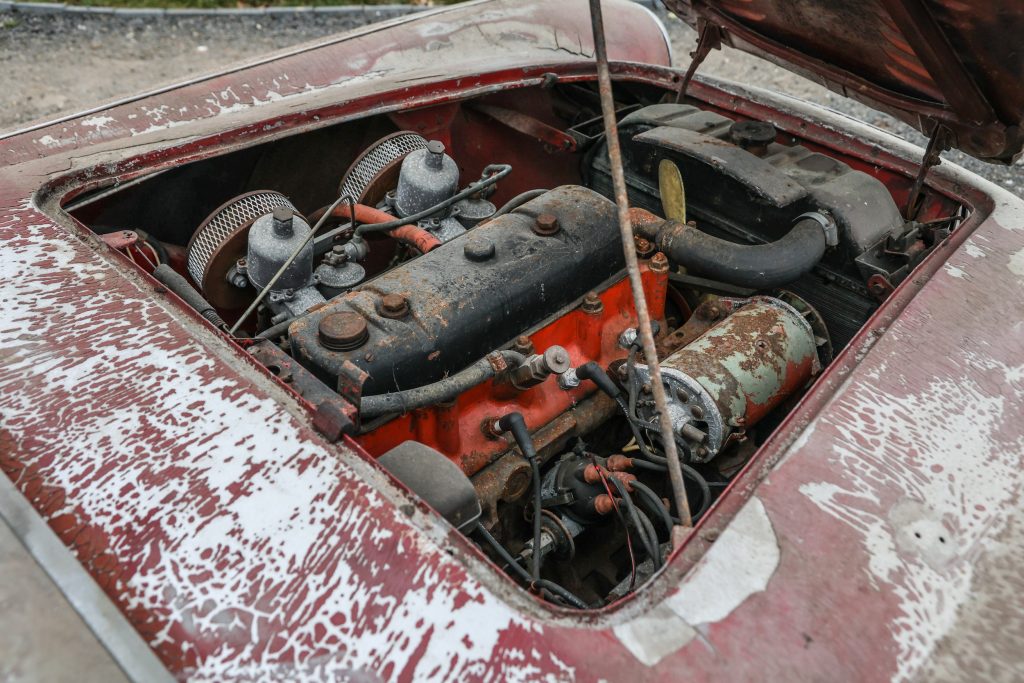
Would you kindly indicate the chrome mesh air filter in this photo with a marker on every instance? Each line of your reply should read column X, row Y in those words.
column 382, row 158
column 220, row 242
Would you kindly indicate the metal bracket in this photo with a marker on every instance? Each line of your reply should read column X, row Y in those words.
column 939, row 142
column 827, row 223
column 527, row 125
column 710, row 39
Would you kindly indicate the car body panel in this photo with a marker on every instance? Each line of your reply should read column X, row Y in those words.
column 926, row 62
column 241, row 544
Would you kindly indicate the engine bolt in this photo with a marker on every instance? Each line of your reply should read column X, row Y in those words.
column 688, row 431
column 644, row 248
column 659, row 263
column 546, row 225
column 282, row 217
column 394, row 306
column 343, row 331
column 523, row 345
column 592, row 304
column 479, row 249
column 697, row 412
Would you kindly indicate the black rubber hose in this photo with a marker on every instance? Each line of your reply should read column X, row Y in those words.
column 549, row 586
column 555, row 589
column 596, row 374
column 654, row 505
column 504, row 554
column 517, row 201
column 658, row 464
column 446, row 389
column 514, row 424
column 758, row 266
column 180, row 286
column 277, row 330
column 651, row 546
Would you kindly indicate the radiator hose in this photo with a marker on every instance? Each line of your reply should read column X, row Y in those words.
column 446, row 389
column 757, row 266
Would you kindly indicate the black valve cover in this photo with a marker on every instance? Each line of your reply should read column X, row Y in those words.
column 471, row 295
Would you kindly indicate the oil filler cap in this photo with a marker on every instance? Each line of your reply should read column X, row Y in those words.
column 479, row 249
column 343, row 331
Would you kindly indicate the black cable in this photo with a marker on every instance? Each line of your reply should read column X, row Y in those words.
column 635, row 518
column 505, row 555
column 277, row 330
column 688, row 472
column 494, row 173
column 654, row 504
column 442, row 390
column 517, row 201
column 561, row 592
column 516, row 425
column 649, row 528
column 543, row 584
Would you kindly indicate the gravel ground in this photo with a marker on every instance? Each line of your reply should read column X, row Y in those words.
column 59, row 63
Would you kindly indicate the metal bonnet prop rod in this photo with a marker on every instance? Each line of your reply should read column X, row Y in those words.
column 611, row 130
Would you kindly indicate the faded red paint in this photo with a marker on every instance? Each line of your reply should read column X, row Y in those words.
column 241, row 544
column 457, row 430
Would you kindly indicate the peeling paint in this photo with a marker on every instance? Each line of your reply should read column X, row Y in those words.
column 747, row 552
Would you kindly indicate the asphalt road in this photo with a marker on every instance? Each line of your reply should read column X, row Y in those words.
column 59, row 63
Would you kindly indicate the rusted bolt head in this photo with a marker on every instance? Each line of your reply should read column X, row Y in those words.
column 659, row 263
column 603, row 504
column 343, row 331
column 479, row 248
column 517, row 482
column 282, row 217
column 714, row 312
column 394, row 306
column 523, row 345
column 644, row 248
column 592, row 304
column 546, row 224
column 489, row 428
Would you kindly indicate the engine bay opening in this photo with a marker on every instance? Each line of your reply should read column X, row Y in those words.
column 446, row 286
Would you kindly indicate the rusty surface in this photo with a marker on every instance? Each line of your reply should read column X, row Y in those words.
column 546, row 224
column 394, row 306
column 120, row 240
column 939, row 61
column 751, row 361
column 554, row 138
column 588, row 331
column 336, row 572
column 643, row 327
column 343, row 331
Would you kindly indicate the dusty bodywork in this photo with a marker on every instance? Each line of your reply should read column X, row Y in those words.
column 295, row 356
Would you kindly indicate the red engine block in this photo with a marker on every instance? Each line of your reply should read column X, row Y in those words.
column 588, row 332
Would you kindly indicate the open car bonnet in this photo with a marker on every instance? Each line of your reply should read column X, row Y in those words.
column 926, row 62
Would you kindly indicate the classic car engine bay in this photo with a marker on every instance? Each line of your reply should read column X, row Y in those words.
column 446, row 288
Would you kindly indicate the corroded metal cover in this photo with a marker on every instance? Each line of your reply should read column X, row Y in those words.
column 956, row 63
column 220, row 241
column 383, row 158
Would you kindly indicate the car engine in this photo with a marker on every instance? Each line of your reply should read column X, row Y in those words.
column 485, row 353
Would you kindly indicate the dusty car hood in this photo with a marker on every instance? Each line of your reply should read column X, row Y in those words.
column 923, row 61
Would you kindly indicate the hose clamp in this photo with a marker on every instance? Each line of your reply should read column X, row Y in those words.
column 827, row 223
